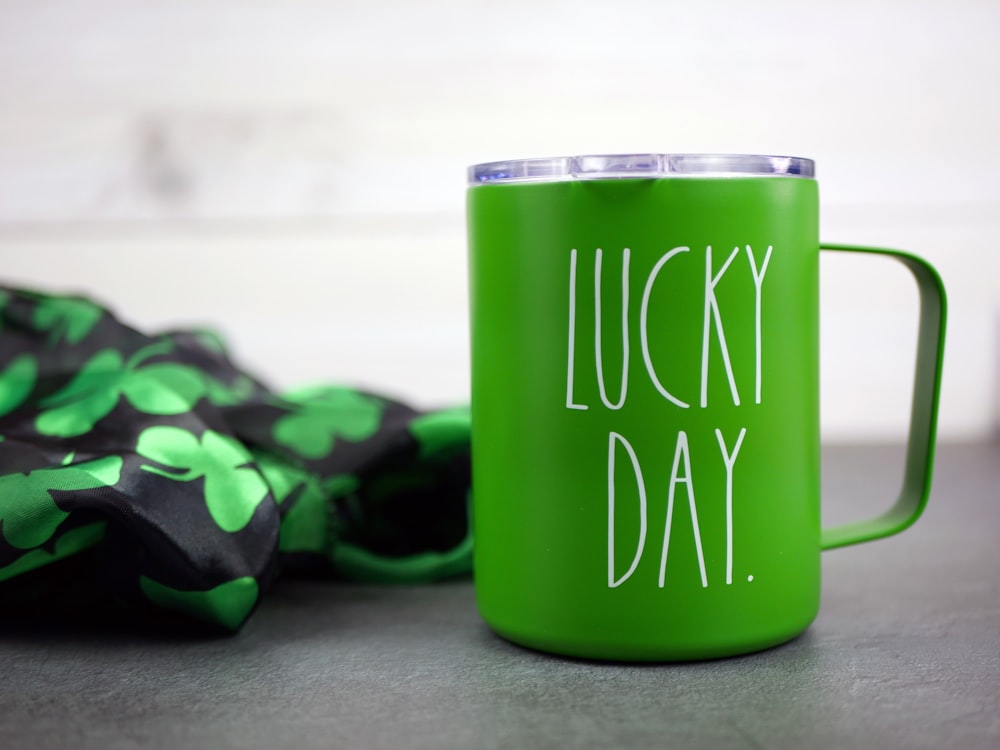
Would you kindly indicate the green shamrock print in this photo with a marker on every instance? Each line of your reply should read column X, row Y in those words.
column 233, row 486
column 69, row 543
column 28, row 514
column 161, row 388
column 67, row 318
column 221, row 394
column 16, row 382
column 227, row 604
column 323, row 414
column 282, row 478
column 304, row 528
column 210, row 339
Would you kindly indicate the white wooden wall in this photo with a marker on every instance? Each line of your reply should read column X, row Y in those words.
column 295, row 165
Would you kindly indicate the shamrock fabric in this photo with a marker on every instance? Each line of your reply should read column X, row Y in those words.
column 150, row 470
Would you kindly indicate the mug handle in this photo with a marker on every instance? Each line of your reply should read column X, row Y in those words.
column 923, row 415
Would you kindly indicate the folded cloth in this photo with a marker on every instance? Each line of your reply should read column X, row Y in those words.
column 192, row 485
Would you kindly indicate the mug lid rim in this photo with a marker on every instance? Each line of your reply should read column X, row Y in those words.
column 639, row 166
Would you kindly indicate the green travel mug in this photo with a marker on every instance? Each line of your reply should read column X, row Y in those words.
column 645, row 403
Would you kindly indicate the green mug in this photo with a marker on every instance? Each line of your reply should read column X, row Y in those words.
column 645, row 403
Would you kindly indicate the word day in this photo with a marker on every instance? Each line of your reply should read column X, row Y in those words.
column 680, row 474
column 712, row 321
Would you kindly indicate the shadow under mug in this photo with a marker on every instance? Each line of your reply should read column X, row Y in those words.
column 645, row 403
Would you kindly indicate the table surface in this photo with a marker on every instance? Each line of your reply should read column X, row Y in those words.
column 905, row 653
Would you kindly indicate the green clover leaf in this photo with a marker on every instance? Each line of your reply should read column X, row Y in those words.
column 304, row 527
column 210, row 339
column 28, row 514
column 323, row 414
column 89, row 397
column 68, row 543
column 228, row 604
column 16, row 382
column 221, row 394
column 233, row 487
column 161, row 388
column 69, row 318
column 281, row 477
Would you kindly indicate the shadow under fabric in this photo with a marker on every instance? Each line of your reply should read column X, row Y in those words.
column 185, row 484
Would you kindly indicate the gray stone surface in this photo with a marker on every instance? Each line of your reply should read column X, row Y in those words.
column 905, row 653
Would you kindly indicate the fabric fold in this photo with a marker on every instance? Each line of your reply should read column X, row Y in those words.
column 194, row 484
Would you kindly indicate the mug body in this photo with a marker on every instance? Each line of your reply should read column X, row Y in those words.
column 645, row 410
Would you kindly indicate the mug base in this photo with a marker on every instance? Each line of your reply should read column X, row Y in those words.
column 635, row 652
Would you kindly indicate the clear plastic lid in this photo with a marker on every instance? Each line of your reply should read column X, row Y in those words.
column 624, row 166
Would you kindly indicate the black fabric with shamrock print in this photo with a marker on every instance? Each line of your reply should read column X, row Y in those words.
column 149, row 470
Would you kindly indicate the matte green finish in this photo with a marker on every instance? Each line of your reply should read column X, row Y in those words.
column 677, row 518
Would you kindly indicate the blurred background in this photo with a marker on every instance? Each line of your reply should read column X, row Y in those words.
column 292, row 172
